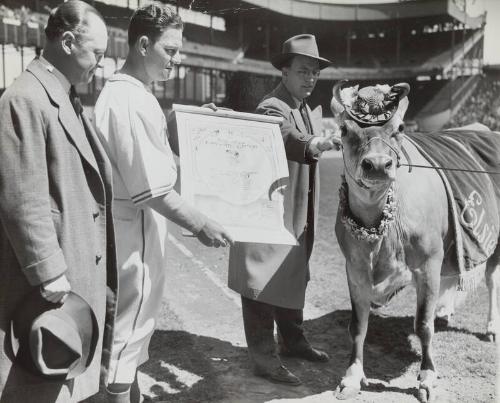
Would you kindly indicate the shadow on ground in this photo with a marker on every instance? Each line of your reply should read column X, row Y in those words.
column 184, row 367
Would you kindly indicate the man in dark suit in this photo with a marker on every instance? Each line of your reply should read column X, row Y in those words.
column 272, row 279
column 55, row 197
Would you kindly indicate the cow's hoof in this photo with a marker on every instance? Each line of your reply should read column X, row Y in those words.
column 426, row 388
column 492, row 331
column 426, row 395
column 347, row 392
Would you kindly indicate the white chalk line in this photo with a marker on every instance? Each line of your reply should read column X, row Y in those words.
column 205, row 270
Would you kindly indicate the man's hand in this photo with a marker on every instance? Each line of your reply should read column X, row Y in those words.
column 56, row 290
column 211, row 105
column 213, row 234
column 329, row 142
column 215, row 108
column 334, row 137
column 323, row 144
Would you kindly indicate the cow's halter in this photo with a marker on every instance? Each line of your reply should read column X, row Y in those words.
column 360, row 232
column 359, row 182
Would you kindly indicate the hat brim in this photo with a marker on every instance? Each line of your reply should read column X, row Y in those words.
column 33, row 306
column 279, row 60
column 370, row 119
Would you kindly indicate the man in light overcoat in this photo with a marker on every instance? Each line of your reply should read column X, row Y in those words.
column 56, row 231
column 272, row 279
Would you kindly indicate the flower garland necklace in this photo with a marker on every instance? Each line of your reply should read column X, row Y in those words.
column 359, row 232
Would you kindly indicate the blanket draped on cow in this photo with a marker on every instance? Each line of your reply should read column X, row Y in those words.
column 472, row 197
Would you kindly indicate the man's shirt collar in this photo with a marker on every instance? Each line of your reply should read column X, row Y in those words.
column 297, row 101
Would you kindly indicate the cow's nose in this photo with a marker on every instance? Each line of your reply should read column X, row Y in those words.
column 376, row 164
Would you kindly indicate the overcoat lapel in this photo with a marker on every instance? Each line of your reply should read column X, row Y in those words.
column 99, row 152
column 76, row 132
column 299, row 122
column 67, row 116
column 282, row 93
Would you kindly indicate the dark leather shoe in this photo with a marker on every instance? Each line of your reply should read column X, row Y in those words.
column 308, row 353
column 278, row 375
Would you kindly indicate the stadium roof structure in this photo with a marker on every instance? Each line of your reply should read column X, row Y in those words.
column 331, row 11
column 363, row 40
column 370, row 12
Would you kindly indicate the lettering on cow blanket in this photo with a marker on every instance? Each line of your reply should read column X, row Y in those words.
column 473, row 217
column 473, row 197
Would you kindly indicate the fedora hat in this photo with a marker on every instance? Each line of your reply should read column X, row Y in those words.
column 304, row 45
column 54, row 341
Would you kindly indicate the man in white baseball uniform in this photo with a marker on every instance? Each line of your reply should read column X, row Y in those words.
column 133, row 129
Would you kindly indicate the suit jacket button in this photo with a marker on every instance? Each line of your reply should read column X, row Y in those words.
column 98, row 259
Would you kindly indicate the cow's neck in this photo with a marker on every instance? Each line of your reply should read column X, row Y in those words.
column 365, row 204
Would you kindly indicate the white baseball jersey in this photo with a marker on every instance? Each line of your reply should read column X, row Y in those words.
column 133, row 129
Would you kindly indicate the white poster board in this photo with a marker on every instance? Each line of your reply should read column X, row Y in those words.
column 233, row 169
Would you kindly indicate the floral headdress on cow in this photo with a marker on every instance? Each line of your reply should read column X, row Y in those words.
column 369, row 106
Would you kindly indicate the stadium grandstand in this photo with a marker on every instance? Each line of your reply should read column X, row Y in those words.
column 434, row 45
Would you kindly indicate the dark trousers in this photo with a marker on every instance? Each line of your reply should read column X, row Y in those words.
column 258, row 320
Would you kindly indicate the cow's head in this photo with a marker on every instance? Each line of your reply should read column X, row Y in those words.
column 371, row 120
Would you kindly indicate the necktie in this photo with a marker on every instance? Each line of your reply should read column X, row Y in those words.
column 75, row 101
column 305, row 116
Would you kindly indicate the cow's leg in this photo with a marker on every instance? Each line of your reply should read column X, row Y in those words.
column 359, row 290
column 492, row 275
column 427, row 281
column 447, row 295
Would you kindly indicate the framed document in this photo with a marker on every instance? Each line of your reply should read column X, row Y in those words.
column 233, row 169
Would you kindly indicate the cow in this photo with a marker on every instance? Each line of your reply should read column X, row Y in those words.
column 393, row 225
